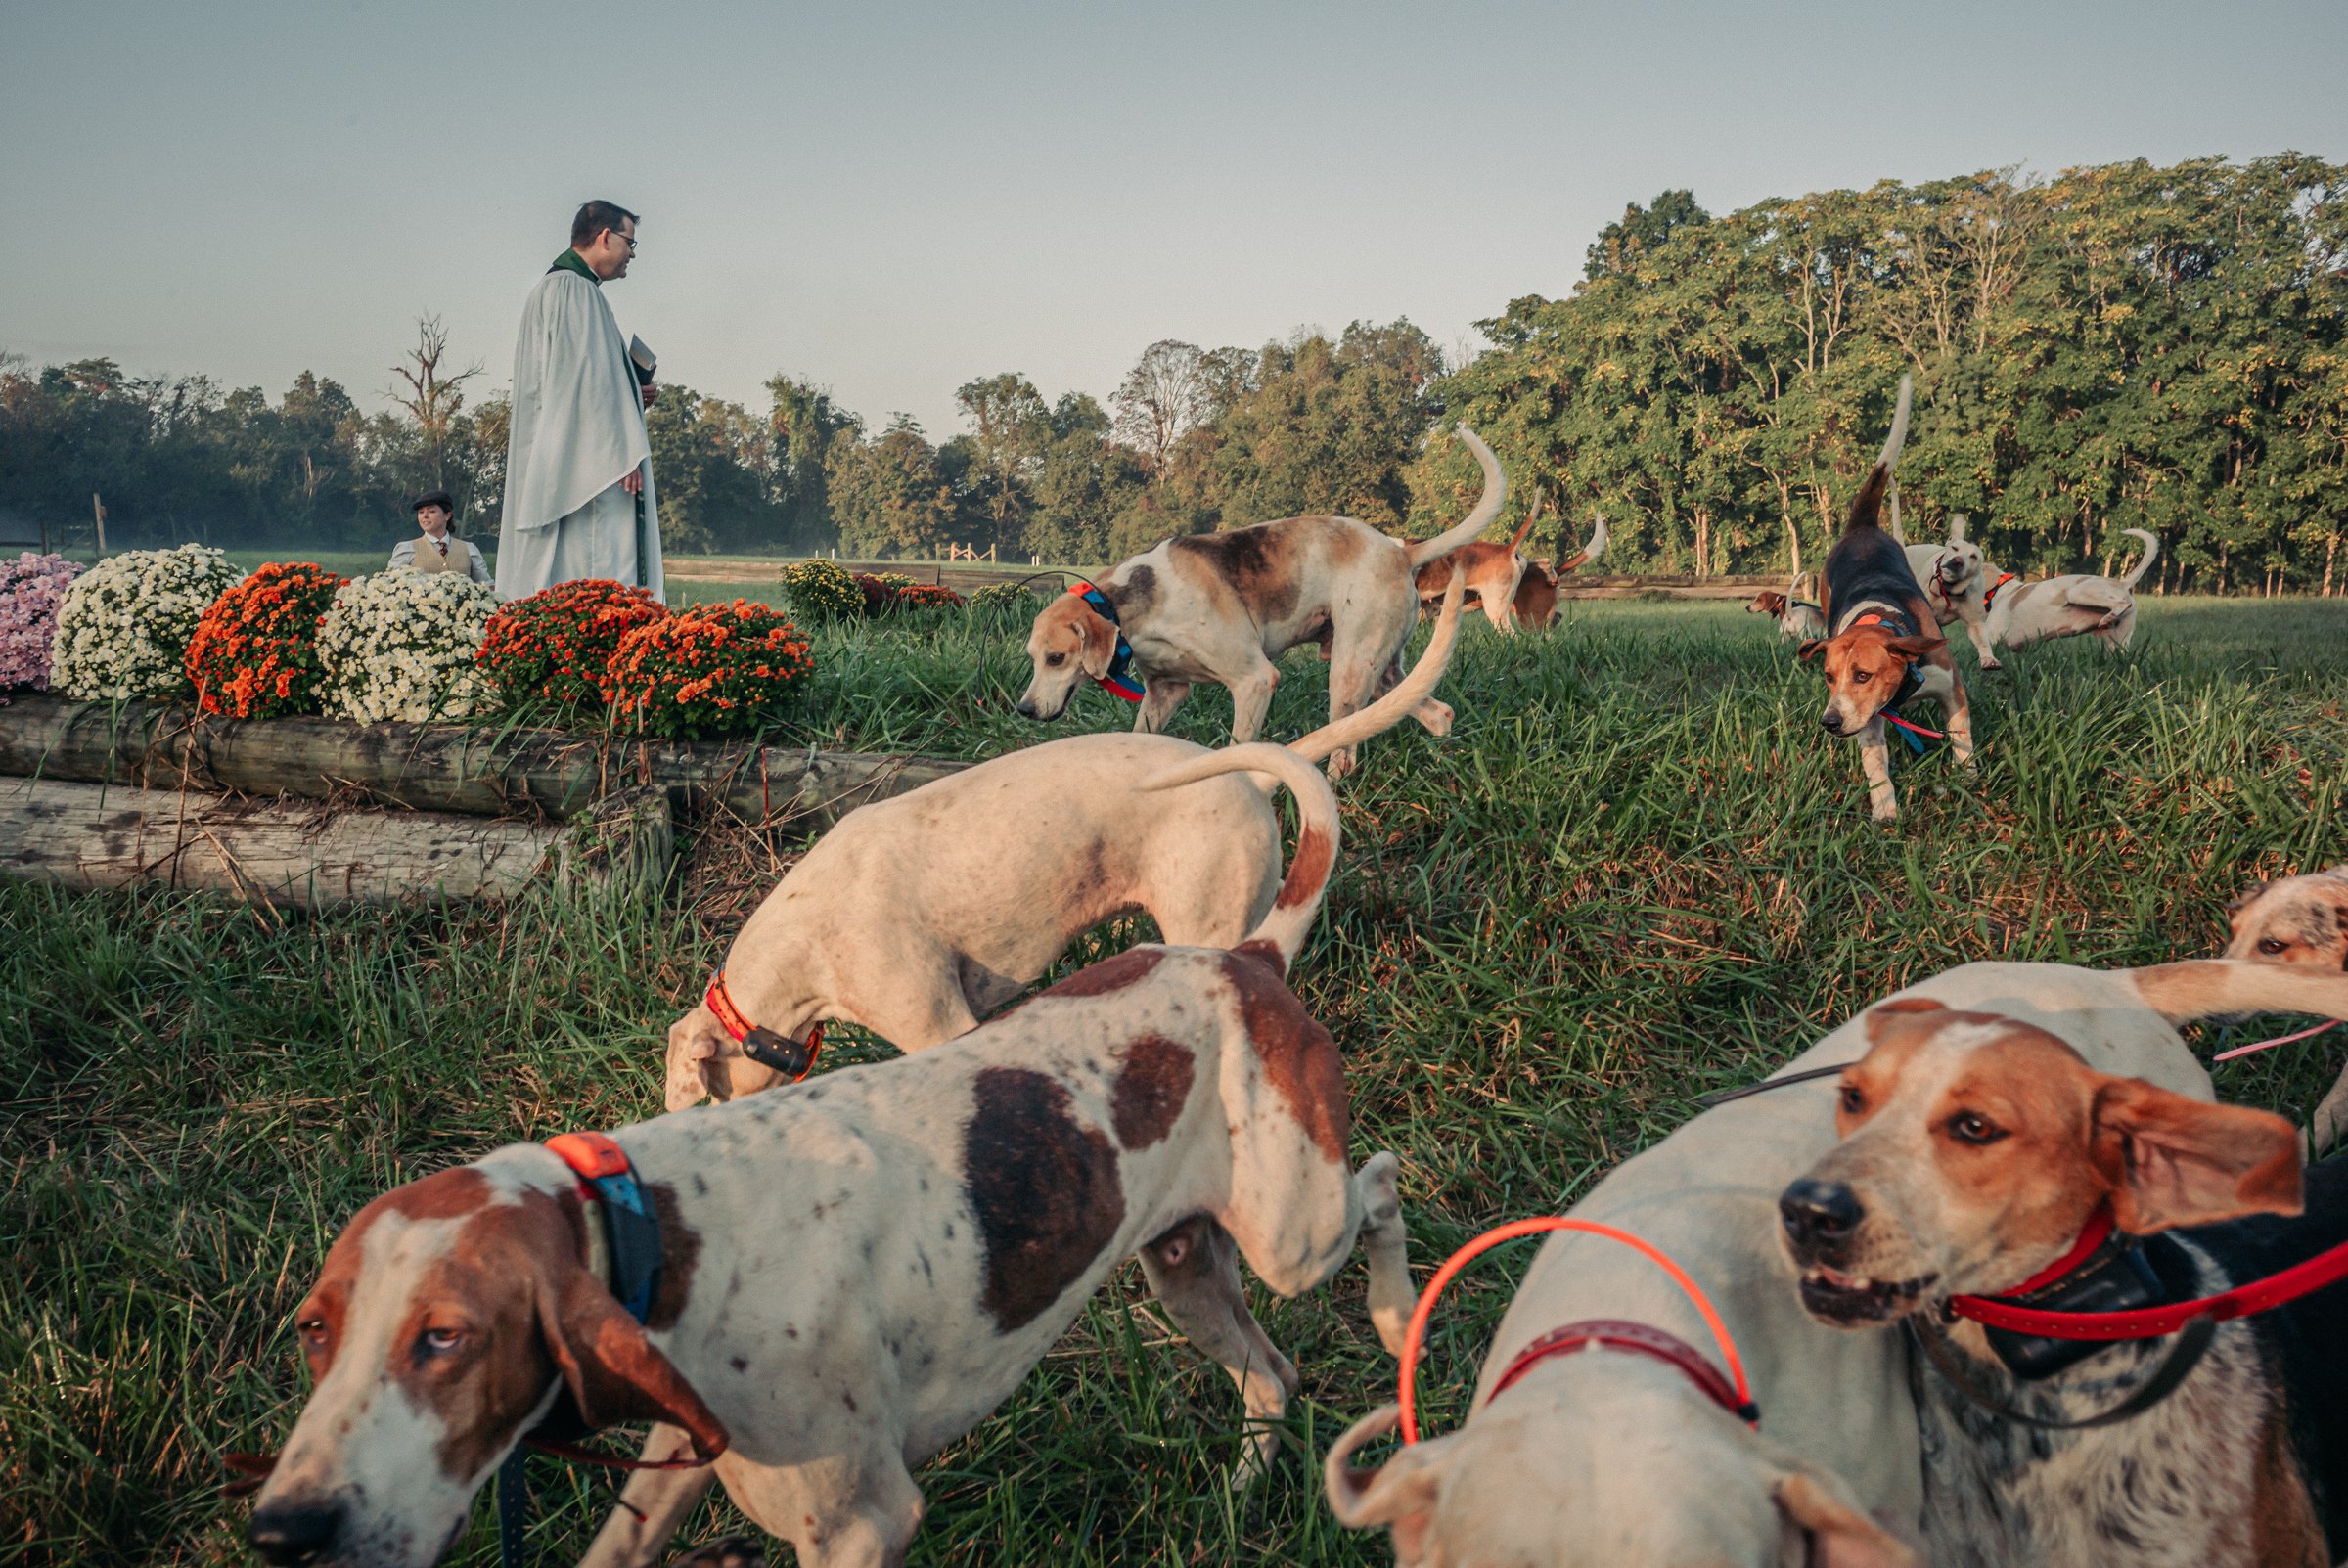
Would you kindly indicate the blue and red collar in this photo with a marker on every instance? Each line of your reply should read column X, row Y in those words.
column 623, row 1230
column 1120, row 680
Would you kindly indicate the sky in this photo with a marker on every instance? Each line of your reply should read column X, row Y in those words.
column 890, row 200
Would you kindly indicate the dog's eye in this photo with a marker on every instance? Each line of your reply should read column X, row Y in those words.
column 1853, row 1100
column 1054, row 660
column 312, row 1331
column 2271, row 944
column 440, row 1341
column 1861, row 677
column 1971, row 1127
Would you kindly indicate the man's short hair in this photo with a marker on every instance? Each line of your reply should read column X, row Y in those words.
column 594, row 218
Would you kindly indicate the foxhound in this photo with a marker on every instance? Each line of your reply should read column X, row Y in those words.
column 917, row 916
column 1989, row 1185
column 851, row 1274
column 1883, row 653
column 1496, row 575
column 1223, row 606
column 2001, row 610
column 1799, row 616
column 1603, row 1458
column 2300, row 919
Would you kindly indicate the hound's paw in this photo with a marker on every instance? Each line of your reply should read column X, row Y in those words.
column 726, row 1551
column 1340, row 763
column 1991, row 664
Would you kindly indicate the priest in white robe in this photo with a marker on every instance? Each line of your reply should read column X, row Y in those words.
column 578, row 465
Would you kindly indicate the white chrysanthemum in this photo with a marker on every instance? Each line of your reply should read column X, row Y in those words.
column 123, row 628
column 400, row 644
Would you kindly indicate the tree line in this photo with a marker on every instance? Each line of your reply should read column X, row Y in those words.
column 2118, row 346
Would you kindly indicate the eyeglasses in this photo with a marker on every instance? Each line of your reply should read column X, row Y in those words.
column 628, row 239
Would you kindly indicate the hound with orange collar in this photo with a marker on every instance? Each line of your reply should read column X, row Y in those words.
column 1881, row 652
column 2028, row 1217
column 1223, row 607
column 852, row 1274
column 1799, row 615
column 917, row 916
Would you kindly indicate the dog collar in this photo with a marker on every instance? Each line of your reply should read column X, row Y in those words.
column 624, row 1233
column 1638, row 1339
column 765, row 1047
column 1120, row 681
column 1990, row 593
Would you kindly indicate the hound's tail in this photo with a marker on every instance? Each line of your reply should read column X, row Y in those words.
column 1298, row 903
column 1496, row 494
column 1531, row 512
column 2211, row 988
column 1596, row 548
column 1868, row 508
column 2151, row 553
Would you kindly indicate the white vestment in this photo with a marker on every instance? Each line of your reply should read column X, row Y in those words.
column 578, row 430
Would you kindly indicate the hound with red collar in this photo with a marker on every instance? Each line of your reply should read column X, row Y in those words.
column 1997, row 1194
column 1606, row 1456
column 1883, row 653
column 1223, row 606
column 2001, row 610
column 917, row 916
column 854, row 1272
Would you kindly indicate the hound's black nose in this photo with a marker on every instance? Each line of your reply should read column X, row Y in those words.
column 1820, row 1214
column 289, row 1535
column 1832, row 721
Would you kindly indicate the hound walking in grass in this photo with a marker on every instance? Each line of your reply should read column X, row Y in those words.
column 1223, row 606
column 851, row 1274
column 2300, row 920
column 1498, row 577
column 1799, row 616
column 921, row 915
column 2001, row 610
column 1883, row 653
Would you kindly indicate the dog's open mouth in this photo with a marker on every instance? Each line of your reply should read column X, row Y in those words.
column 1845, row 1298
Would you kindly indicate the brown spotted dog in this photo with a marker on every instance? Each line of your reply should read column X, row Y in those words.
column 1976, row 1150
column 2300, row 919
column 1497, row 576
column 1796, row 612
column 855, row 1270
column 1882, row 652
column 1223, row 607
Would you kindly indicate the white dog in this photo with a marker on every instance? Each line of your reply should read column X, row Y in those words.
column 851, row 1273
column 917, row 916
column 1223, row 607
column 2001, row 610
column 1601, row 1459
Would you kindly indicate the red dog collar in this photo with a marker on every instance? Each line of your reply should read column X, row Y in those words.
column 765, row 1047
column 1991, row 592
column 1639, row 1339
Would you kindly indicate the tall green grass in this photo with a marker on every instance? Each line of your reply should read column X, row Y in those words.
column 1636, row 870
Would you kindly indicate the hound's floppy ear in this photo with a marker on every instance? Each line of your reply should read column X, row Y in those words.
column 1957, row 526
column 614, row 1373
column 1098, row 649
column 1812, row 649
column 1917, row 647
column 2171, row 1161
column 1400, row 1493
column 1837, row 1534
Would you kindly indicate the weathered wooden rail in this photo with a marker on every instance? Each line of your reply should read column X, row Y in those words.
column 477, row 770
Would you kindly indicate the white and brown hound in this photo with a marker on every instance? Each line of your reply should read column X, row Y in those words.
column 1223, row 606
column 1799, row 616
column 854, row 1272
column 2001, row 610
column 1598, row 1457
column 1498, row 577
column 1981, row 1156
column 1883, row 650
column 917, row 916
column 2300, row 919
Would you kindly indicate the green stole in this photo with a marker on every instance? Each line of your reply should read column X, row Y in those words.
column 569, row 261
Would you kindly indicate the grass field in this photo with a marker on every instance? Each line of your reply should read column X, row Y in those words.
column 1635, row 871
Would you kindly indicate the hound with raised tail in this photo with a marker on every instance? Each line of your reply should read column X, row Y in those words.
column 1511, row 589
column 2001, row 610
column 1881, row 652
column 1223, row 607
column 1991, row 1183
column 917, row 916
column 1605, row 1457
column 854, row 1272
column 2300, row 920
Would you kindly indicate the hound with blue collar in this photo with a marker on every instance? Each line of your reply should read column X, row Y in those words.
column 1882, row 652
